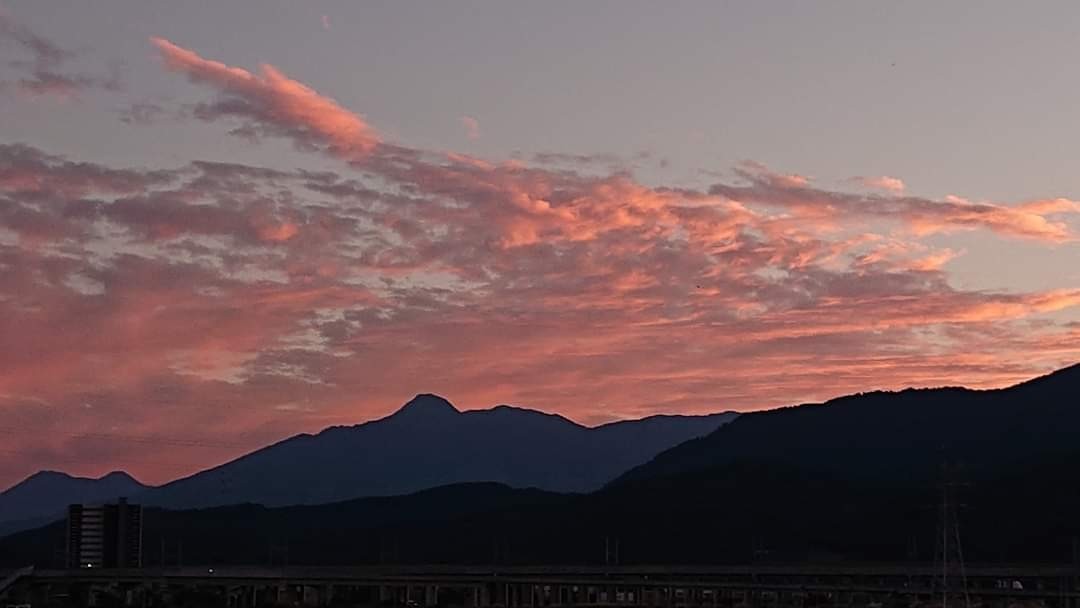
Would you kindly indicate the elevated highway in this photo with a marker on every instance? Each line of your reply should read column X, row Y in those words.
column 794, row 585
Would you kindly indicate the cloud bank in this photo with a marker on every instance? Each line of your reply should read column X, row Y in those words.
column 237, row 303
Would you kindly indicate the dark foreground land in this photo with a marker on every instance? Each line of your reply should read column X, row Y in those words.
column 735, row 514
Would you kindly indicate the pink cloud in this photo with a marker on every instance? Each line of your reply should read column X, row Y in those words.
column 472, row 127
column 1033, row 221
column 882, row 182
column 766, row 187
column 758, row 171
column 934, row 261
column 1051, row 206
column 25, row 170
column 325, row 20
column 275, row 101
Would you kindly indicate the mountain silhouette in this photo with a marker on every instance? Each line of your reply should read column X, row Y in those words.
column 45, row 495
column 425, row 444
column 429, row 443
column 896, row 437
column 854, row 479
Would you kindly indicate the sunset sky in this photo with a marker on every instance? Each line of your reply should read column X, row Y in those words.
column 224, row 223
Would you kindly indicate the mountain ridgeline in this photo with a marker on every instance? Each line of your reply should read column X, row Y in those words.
column 43, row 496
column 897, row 438
column 425, row 444
column 855, row 478
column 429, row 443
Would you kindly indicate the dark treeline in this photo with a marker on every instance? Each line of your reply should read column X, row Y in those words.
column 738, row 514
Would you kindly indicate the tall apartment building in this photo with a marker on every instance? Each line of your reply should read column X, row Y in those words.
column 104, row 536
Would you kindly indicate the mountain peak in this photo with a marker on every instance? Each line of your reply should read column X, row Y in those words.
column 46, row 479
column 118, row 476
column 46, row 475
column 427, row 404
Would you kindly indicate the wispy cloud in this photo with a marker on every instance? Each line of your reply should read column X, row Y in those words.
column 45, row 70
column 274, row 104
column 881, row 182
column 142, row 113
column 472, row 127
column 1035, row 220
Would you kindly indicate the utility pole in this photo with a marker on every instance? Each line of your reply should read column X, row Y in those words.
column 944, row 545
column 950, row 550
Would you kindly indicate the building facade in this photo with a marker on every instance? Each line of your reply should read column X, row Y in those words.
column 104, row 536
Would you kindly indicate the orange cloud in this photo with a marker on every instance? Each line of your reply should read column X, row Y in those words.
column 924, row 216
column 278, row 232
column 882, row 182
column 274, row 99
column 1051, row 206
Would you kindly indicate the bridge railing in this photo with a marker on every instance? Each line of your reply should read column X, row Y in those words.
column 13, row 578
